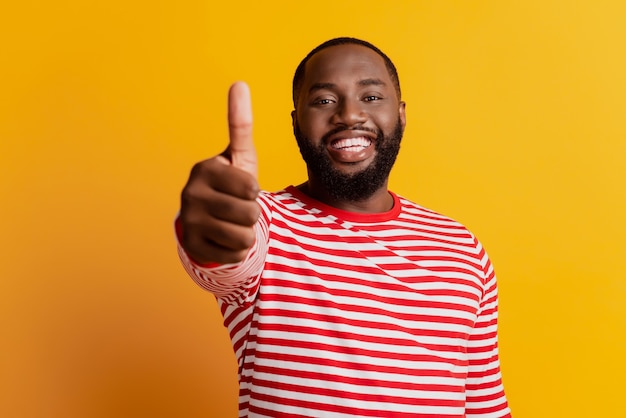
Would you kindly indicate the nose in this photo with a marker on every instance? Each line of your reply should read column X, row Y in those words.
column 349, row 113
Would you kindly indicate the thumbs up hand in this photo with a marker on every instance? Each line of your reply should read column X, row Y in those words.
column 218, row 204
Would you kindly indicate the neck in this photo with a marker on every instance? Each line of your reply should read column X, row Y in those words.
column 380, row 201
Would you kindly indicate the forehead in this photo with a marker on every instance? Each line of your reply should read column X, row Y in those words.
column 342, row 62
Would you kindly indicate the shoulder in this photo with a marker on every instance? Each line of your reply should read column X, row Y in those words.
column 415, row 210
column 447, row 232
column 435, row 221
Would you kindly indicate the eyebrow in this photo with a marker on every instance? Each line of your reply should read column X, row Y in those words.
column 371, row 82
column 330, row 86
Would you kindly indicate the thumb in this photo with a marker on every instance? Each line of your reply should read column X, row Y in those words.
column 241, row 151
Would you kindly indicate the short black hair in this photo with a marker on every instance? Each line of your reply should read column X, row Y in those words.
column 298, row 77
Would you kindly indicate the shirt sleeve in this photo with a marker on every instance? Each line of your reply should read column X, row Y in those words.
column 484, row 388
column 233, row 284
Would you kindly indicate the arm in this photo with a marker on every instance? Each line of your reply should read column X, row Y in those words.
column 484, row 389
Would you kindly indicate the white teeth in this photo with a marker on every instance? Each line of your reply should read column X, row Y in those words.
column 360, row 142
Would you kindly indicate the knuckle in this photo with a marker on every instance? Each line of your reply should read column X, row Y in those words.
column 192, row 191
column 197, row 169
column 234, row 210
column 239, row 240
column 252, row 216
column 251, row 187
column 196, row 194
column 185, row 197
column 249, row 238
column 205, row 169
column 193, row 220
column 240, row 126
column 233, row 256
column 189, row 242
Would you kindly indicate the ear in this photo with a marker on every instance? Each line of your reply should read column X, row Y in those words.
column 293, row 120
column 402, row 113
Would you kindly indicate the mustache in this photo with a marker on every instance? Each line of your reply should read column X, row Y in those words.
column 343, row 129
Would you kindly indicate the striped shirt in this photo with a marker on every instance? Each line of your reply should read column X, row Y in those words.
column 348, row 315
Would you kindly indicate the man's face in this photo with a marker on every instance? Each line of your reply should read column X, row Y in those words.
column 348, row 121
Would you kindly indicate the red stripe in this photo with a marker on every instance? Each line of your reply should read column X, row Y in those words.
column 364, row 382
column 361, row 350
column 362, row 397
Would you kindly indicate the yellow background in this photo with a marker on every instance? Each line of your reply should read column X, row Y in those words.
column 516, row 127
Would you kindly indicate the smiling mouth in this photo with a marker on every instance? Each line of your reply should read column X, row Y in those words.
column 351, row 144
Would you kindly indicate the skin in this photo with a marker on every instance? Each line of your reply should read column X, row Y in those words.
column 347, row 92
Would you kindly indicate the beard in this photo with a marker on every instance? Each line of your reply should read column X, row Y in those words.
column 353, row 187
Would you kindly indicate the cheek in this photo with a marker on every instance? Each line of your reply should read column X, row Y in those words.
column 388, row 121
column 313, row 126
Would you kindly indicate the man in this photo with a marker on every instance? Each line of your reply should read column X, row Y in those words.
column 342, row 299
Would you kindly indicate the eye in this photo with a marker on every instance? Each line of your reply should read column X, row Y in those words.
column 323, row 101
column 372, row 98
